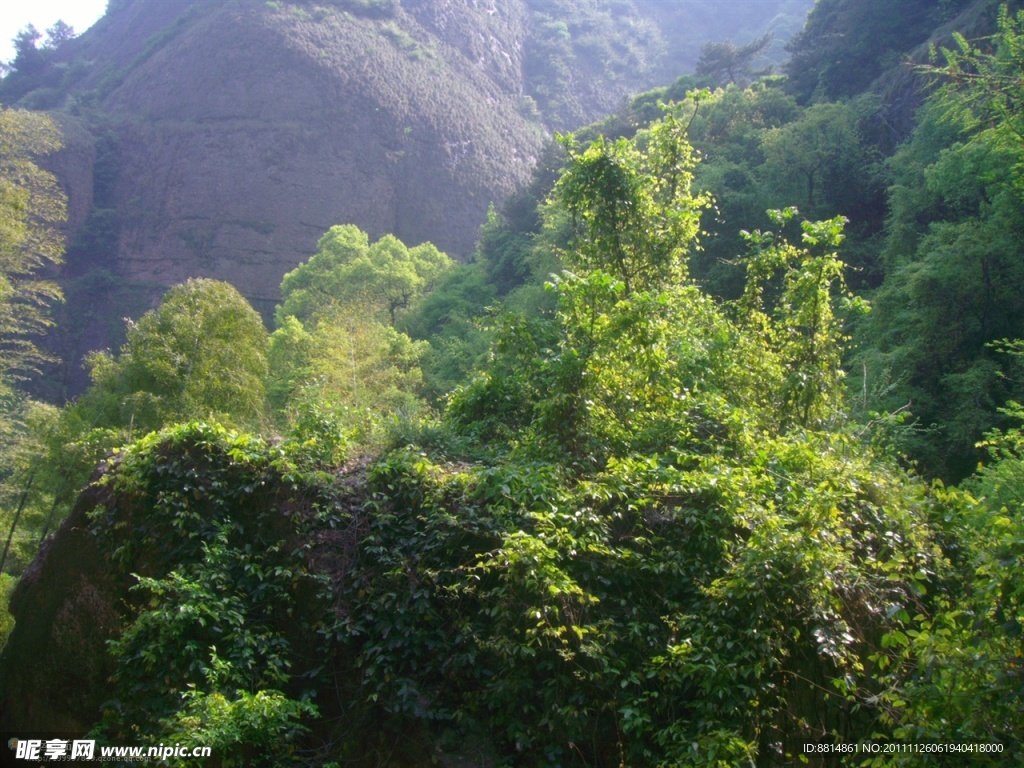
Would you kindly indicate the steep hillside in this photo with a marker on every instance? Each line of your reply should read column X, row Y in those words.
column 226, row 137
column 237, row 132
column 248, row 130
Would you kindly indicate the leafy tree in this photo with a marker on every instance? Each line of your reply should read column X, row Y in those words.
column 815, row 159
column 801, row 325
column 360, row 367
column 982, row 90
column 727, row 63
column 28, row 68
column 58, row 34
column 32, row 207
column 28, row 60
column 630, row 205
column 336, row 344
column 310, row 287
column 726, row 127
column 384, row 278
column 201, row 353
column 27, row 483
column 953, row 261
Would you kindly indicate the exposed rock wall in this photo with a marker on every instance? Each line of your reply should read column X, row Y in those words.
column 251, row 131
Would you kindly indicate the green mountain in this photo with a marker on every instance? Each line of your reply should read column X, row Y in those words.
column 222, row 139
column 671, row 473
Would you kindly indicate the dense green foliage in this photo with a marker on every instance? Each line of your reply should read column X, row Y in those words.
column 952, row 259
column 208, row 648
column 631, row 212
column 932, row 234
column 33, row 67
column 645, row 533
column 846, row 44
column 336, row 347
column 200, row 354
column 654, row 521
column 726, row 63
column 381, row 280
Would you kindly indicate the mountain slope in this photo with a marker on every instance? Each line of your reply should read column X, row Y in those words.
column 248, row 131
column 229, row 136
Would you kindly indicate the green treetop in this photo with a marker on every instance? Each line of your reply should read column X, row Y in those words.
column 630, row 203
column 383, row 278
column 200, row 354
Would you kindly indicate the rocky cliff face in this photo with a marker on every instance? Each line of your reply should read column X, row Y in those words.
column 249, row 130
column 242, row 129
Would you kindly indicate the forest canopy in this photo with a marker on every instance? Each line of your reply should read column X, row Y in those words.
column 713, row 452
